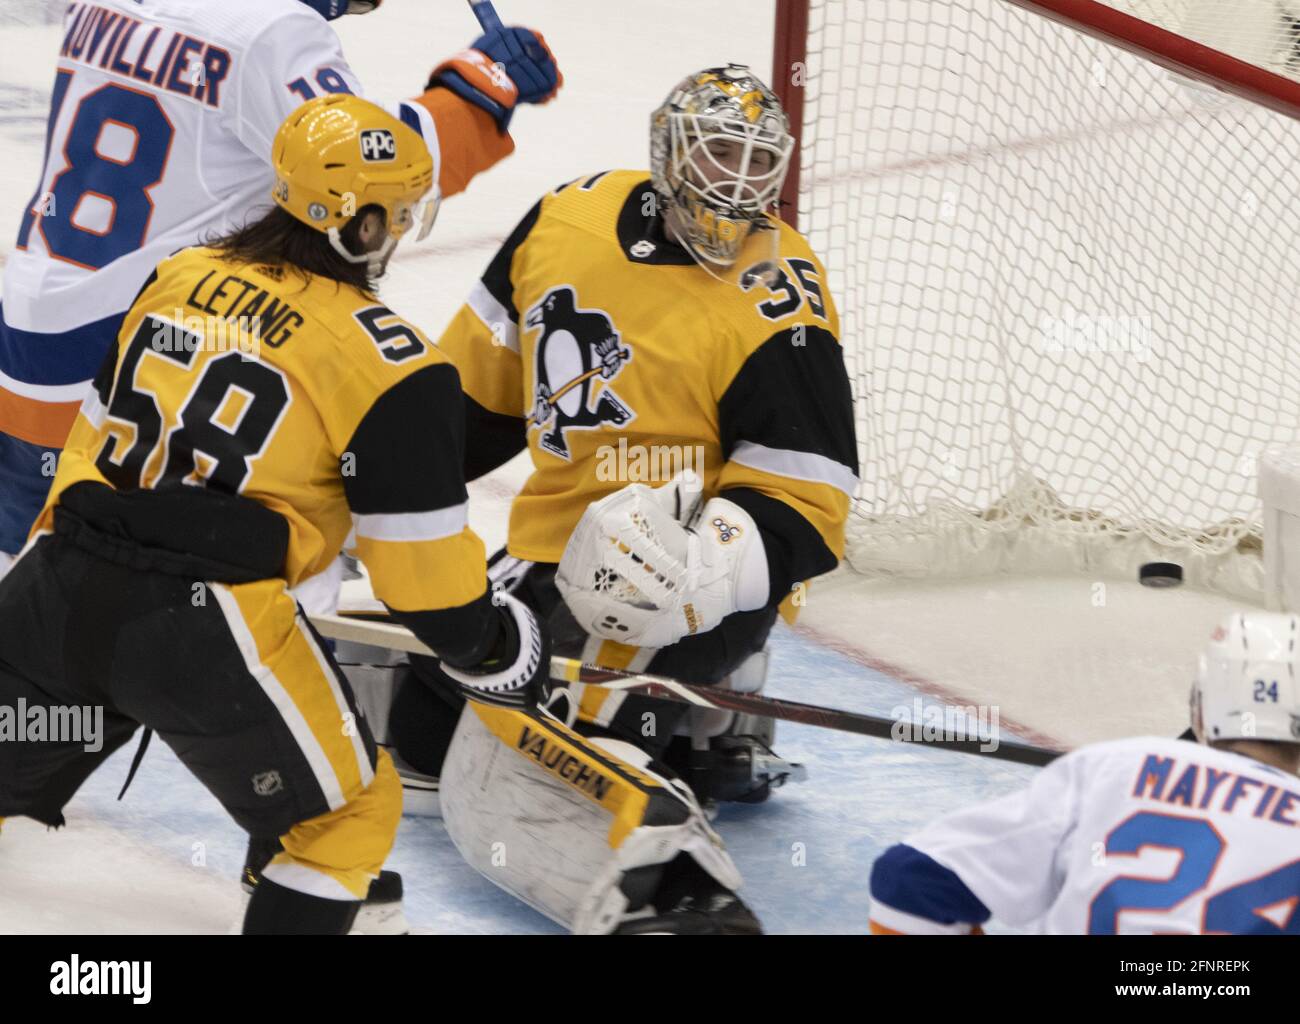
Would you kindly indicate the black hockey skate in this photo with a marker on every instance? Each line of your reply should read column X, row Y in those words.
column 720, row 914
column 690, row 901
column 380, row 914
column 735, row 767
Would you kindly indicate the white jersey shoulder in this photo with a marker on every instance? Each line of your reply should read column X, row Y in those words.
column 161, row 122
column 1136, row 835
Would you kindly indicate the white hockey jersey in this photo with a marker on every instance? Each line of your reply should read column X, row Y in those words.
column 158, row 92
column 1145, row 835
column 161, row 123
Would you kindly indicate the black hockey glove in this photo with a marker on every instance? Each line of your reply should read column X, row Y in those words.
column 518, row 671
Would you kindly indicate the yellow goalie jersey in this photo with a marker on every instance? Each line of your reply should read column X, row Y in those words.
column 309, row 397
column 617, row 359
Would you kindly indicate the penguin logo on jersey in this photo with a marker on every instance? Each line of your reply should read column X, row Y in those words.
column 577, row 350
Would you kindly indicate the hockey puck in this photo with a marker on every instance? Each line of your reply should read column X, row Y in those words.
column 1160, row 574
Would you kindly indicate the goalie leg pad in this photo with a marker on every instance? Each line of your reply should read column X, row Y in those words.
column 577, row 828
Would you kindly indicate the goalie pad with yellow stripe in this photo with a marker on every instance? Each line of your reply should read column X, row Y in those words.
column 578, row 828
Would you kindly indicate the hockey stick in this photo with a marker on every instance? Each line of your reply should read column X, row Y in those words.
column 488, row 19
column 372, row 629
column 533, row 420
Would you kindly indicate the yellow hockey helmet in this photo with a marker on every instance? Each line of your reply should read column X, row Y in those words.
column 337, row 154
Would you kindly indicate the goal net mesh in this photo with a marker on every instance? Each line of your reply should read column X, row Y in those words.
column 1068, row 280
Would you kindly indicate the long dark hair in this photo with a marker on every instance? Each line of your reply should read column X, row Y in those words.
column 281, row 240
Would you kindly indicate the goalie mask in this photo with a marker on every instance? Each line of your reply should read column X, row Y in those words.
column 720, row 146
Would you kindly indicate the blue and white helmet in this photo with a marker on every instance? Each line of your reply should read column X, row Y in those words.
column 331, row 9
column 1246, row 681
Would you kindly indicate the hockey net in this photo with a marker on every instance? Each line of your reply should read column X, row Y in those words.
column 1068, row 275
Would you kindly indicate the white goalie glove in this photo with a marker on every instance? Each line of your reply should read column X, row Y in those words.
column 641, row 569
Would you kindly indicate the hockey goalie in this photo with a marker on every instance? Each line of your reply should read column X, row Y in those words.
column 630, row 314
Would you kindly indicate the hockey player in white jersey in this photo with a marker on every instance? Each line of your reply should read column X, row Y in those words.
column 1144, row 835
column 161, row 120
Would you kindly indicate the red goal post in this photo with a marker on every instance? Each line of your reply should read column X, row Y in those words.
column 1189, row 57
column 790, row 53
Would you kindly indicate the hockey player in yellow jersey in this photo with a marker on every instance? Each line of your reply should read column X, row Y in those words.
column 261, row 404
column 637, row 327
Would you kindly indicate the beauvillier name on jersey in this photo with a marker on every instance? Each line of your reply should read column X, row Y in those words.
column 160, row 129
column 591, row 334
column 304, row 424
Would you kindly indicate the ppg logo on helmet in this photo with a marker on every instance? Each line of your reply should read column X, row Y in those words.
column 378, row 145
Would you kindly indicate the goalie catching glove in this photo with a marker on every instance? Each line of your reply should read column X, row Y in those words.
column 641, row 569
column 517, row 672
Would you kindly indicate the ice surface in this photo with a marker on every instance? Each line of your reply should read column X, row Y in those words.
column 166, row 859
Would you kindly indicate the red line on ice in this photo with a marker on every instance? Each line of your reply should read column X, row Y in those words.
column 928, row 687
